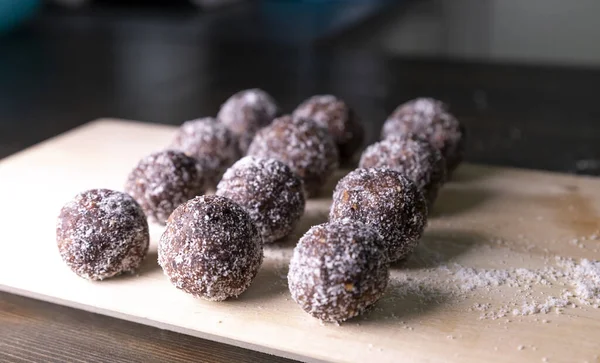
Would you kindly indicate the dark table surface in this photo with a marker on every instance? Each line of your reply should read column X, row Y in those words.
column 164, row 66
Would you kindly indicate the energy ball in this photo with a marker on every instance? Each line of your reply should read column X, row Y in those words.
column 269, row 191
column 102, row 233
column 430, row 119
column 246, row 112
column 162, row 181
column 210, row 143
column 210, row 248
column 338, row 270
column 426, row 104
column 335, row 115
column 303, row 145
column 415, row 158
column 386, row 201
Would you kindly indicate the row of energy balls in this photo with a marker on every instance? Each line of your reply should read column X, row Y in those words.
column 213, row 245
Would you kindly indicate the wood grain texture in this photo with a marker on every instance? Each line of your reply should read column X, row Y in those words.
column 535, row 214
column 36, row 331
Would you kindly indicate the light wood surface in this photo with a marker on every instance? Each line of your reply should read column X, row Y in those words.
column 534, row 214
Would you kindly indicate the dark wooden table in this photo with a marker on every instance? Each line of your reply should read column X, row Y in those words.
column 65, row 70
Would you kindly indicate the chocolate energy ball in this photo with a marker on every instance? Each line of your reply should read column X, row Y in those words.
column 338, row 270
column 102, row 233
column 210, row 248
column 209, row 142
column 386, row 201
column 269, row 191
column 430, row 119
column 246, row 112
column 162, row 181
column 335, row 115
column 415, row 158
column 421, row 104
column 303, row 145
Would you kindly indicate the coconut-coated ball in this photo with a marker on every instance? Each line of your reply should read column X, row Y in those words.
column 341, row 121
column 210, row 248
column 415, row 158
column 430, row 119
column 162, row 181
column 209, row 142
column 386, row 201
column 307, row 148
column 246, row 112
column 338, row 270
column 271, row 193
column 102, row 233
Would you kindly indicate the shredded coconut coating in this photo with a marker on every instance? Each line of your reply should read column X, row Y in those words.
column 246, row 112
column 335, row 115
column 415, row 158
column 102, row 233
column 429, row 118
column 386, row 201
column 338, row 270
column 269, row 191
column 162, row 181
column 210, row 248
column 422, row 104
column 307, row 148
column 209, row 142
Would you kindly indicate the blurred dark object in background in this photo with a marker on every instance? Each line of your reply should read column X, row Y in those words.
column 524, row 87
column 205, row 4
column 289, row 21
column 13, row 13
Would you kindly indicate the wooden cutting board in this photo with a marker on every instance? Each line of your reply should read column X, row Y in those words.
column 486, row 218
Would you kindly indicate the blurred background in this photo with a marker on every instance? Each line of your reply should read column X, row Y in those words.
column 521, row 74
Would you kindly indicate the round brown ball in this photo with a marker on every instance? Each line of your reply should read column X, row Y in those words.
column 102, row 233
column 209, row 142
column 386, row 201
column 425, row 104
column 338, row 270
column 162, row 181
column 210, row 248
column 246, row 112
column 430, row 119
column 269, row 191
column 303, row 145
column 341, row 121
column 415, row 158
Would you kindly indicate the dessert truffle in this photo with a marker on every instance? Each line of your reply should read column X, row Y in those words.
column 426, row 104
column 210, row 143
column 269, row 191
column 210, row 248
column 415, row 158
column 338, row 270
column 162, row 181
column 303, row 145
column 102, row 233
column 430, row 119
column 386, row 201
column 335, row 115
column 246, row 112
